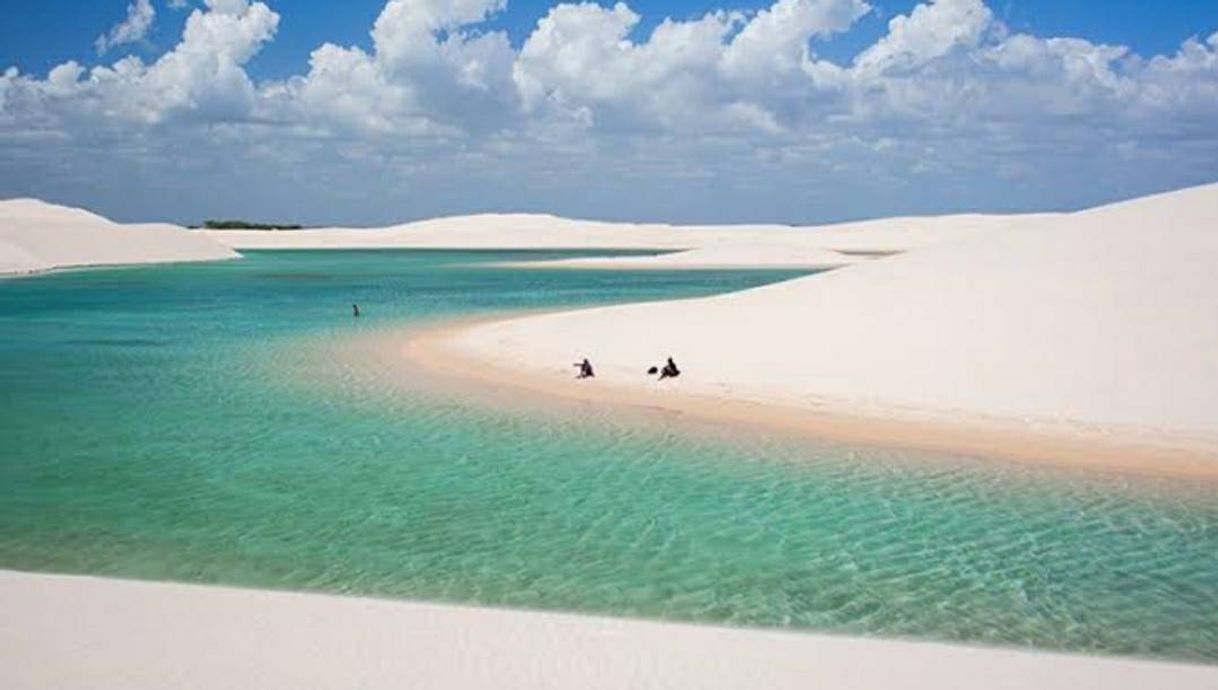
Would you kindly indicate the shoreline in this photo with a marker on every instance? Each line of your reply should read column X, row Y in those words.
column 73, row 631
column 660, row 264
column 77, row 268
column 438, row 349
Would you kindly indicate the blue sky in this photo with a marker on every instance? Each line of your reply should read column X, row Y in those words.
column 38, row 36
column 794, row 111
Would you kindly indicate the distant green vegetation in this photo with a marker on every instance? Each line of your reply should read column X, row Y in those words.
column 246, row 225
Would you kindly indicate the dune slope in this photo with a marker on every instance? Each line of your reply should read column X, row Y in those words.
column 36, row 236
column 1104, row 317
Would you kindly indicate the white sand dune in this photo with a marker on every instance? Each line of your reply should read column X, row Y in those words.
column 772, row 254
column 37, row 236
column 72, row 632
column 1106, row 317
column 488, row 231
column 698, row 246
column 814, row 247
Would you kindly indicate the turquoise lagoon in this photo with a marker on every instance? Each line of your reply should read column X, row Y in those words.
column 177, row 423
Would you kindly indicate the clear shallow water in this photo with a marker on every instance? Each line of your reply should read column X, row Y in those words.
column 175, row 423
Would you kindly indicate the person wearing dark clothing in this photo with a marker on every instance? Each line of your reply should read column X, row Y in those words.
column 355, row 310
column 585, row 370
column 670, row 370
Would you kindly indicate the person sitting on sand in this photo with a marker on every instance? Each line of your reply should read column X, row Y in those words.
column 670, row 370
column 585, row 370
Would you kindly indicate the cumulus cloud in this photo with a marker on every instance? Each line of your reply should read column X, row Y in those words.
column 202, row 77
column 948, row 104
column 133, row 29
column 929, row 32
column 425, row 74
column 725, row 70
column 776, row 39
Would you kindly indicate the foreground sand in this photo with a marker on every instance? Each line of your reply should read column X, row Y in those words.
column 36, row 236
column 1097, row 326
column 74, row 632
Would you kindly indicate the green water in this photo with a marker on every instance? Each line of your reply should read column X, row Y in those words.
column 179, row 423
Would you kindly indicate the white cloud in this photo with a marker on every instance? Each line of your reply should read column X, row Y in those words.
column 723, row 70
column 929, row 32
column 133, row 29
column 229, row 7
column 753, row 74
column 579, row 60
column 202, row 78
column 405, row 27
column 413, row 81
column 948, row 98
column 776, row 39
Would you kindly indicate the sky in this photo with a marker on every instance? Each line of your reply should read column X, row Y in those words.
column 796, row 111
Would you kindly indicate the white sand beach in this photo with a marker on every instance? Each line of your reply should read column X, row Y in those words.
column 1099, row 322
column 75, row 632
column 36, row 236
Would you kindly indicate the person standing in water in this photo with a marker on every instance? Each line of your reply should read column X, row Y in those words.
column 355, row 310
